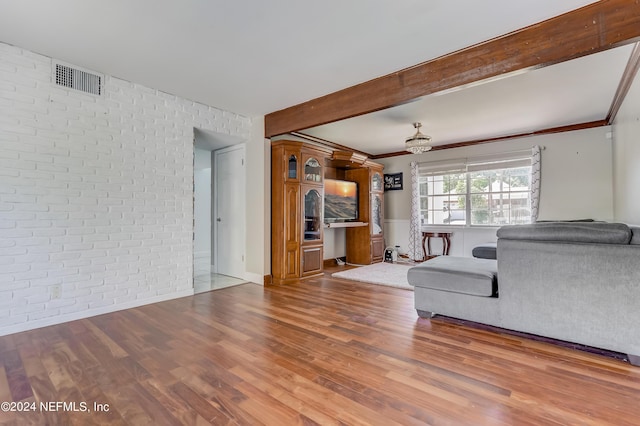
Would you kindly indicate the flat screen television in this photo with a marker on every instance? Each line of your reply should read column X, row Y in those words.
column 340, row 201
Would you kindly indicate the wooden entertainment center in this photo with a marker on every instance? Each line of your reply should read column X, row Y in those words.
column 298, row 171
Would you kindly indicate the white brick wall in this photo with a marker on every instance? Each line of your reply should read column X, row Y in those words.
column 95, row 193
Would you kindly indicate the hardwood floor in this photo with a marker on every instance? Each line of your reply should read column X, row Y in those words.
column 322, row 352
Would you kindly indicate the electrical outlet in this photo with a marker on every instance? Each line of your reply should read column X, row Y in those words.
column 56, row 291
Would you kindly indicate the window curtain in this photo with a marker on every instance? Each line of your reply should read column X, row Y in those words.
column 535, row 182
column 415, row 232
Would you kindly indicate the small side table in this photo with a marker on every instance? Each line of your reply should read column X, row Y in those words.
column 446, row 243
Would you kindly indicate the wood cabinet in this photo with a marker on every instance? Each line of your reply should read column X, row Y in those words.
column 286, row 216
column 365, row 244
column 297, row 209
column 377, row 214
column 297, row 177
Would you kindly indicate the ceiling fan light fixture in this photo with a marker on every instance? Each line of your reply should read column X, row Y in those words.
column 418, row 143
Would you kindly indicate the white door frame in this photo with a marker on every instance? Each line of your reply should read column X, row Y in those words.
column 243, row 200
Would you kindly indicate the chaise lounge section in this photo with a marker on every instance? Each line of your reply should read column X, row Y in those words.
column 459, row 287
column 577, row 282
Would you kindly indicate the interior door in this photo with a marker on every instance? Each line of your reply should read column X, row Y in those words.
column 230, row 203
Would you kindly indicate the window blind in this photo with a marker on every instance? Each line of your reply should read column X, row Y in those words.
column 442, row 167
column 503, row 160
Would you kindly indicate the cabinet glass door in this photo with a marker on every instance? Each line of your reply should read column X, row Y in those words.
column 292, row 172
column 376, row 182
column 376, row 214
column 312, row 215
column 312, row 170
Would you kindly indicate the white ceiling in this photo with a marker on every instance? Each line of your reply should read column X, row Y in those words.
column 254, row 56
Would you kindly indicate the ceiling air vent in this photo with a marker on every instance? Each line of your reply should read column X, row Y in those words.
column 75, row 78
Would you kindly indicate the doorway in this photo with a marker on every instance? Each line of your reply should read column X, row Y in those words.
column 217, row 185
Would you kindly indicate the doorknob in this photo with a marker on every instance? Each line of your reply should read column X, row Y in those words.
column 218, row 220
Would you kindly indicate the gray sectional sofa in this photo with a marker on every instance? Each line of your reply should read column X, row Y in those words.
column 572, row 281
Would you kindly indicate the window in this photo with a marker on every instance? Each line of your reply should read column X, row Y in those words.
column 477, row 192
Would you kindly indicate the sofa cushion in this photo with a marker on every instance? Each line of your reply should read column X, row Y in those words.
column 578, row 232
column 465, row 275
column 485, row 251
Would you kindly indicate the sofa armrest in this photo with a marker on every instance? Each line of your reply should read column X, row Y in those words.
column 635, row 235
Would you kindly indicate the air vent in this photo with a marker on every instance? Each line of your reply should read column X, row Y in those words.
column 78, row 79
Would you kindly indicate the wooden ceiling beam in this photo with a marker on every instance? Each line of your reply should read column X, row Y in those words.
column 629, row 74
column 593, row 28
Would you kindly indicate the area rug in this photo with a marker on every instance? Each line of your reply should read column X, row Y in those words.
column 389, row 274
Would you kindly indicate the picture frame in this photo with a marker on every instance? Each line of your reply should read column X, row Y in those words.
column 393, row 182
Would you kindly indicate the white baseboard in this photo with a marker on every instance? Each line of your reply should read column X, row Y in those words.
column 254, row 278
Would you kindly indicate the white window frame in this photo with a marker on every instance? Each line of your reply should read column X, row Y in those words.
column 467, row 167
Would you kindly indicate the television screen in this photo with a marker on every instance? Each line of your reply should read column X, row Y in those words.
column 340, row 200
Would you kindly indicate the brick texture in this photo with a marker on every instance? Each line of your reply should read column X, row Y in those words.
column 95, row 193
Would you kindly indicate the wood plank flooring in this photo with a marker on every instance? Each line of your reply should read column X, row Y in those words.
column 325, row 352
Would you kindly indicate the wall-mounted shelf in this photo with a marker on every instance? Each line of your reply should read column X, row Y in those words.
column 345, row 224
